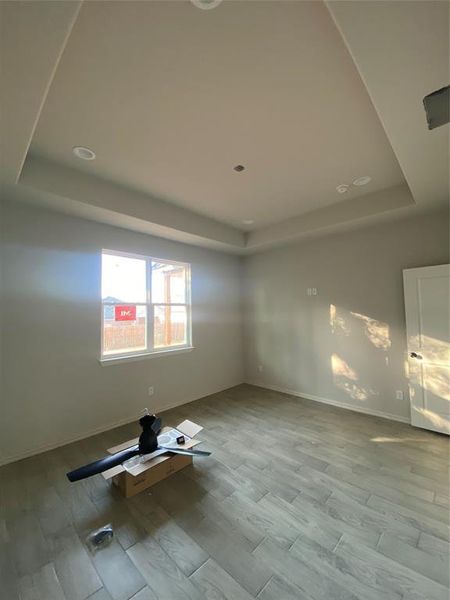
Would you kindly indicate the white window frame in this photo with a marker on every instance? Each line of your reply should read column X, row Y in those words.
column 150, row 351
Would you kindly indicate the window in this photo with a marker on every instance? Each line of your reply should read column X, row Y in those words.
column 145, row 305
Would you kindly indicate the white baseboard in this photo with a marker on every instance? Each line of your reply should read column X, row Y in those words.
column 360, row 409
column 4, row 460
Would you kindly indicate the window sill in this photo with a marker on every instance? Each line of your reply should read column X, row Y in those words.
column 116, row 360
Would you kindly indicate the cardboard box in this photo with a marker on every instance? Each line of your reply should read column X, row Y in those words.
column 135, row 479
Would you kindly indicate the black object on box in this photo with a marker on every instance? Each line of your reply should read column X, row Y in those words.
column 180, row 439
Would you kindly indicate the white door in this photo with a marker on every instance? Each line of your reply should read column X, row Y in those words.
column 428, row 338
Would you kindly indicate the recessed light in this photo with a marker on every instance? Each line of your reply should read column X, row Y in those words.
column 83, row 152
column 248, row 221
column 362, row 180
column 239, row 168
column 341, row 189
column 206, row 4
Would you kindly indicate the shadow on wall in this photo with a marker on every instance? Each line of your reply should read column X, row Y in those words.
column 53, row 273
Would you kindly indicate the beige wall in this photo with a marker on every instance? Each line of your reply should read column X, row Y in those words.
column 55, row 388
column 347, row 344
column 2, row 406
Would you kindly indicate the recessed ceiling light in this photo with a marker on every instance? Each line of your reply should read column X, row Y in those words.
column 206, row 4
column 341, row 189
column 362, row 180
column 239, row 168
column 83, row 152
column 248, row 221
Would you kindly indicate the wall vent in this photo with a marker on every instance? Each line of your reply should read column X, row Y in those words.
column 437, row 107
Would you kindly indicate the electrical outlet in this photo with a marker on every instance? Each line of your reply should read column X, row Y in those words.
column 399, row 395
column 260, row 368
column 151, row 390
column 309, row 291
column 314, row 291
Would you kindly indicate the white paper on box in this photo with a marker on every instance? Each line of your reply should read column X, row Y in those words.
column 189, row 428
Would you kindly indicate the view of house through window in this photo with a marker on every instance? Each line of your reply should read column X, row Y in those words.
column 146, row 304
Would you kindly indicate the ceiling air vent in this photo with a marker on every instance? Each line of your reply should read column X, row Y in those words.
column 437, row 107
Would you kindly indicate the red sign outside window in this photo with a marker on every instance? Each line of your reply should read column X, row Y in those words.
column 125, row 313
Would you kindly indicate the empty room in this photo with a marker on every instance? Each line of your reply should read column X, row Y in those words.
column 224, row 300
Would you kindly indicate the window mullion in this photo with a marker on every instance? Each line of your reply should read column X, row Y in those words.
column 150, row 316
column 188, row 300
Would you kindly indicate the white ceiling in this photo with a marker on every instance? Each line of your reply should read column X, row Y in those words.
column 412, row 59
column 305, row 95
column 32, row 39
column 171, row 97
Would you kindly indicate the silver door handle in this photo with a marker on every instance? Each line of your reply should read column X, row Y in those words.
column 415, row 355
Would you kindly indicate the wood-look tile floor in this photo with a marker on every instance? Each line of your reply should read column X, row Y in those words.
column 298, row 501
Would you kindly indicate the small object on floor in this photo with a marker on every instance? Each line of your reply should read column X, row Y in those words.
column 181, row 439
column 100, row 538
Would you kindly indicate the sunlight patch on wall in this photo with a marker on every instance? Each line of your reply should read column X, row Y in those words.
column 434, row 419
column 376, row 331
column 337, row 321
column 432, row 371
column 342, row 369
column 354, row 391
column 346, row 378
column 436, row 379
column 406, row 368
column 432, row 349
